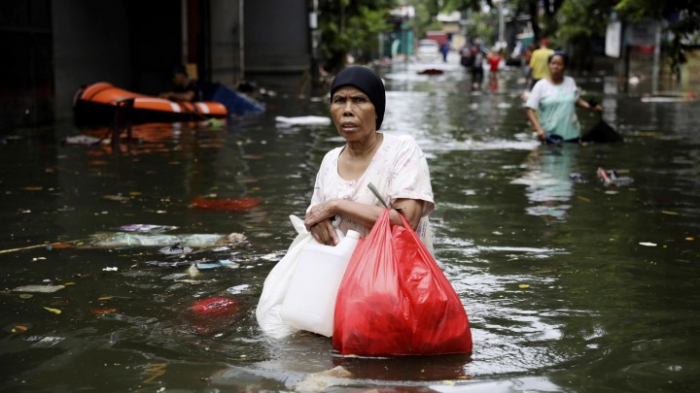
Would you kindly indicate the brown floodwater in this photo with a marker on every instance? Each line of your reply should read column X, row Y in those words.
column 570, row 284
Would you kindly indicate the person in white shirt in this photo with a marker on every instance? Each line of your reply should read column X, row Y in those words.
column 555, row 99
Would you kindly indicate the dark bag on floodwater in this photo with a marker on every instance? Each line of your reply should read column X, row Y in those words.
column 395, row 300
column 601, row 132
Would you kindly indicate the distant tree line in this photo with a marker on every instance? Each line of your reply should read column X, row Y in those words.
column 354, row 25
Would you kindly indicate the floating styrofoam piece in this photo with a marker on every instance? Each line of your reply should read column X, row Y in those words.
column 303, row 120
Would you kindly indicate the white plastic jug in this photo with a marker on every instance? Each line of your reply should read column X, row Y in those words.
column 310, row 300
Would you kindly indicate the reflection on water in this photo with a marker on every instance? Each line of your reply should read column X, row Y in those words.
column 549, row 181
column 561, row 285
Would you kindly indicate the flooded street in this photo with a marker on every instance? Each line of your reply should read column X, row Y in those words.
column 569, row 284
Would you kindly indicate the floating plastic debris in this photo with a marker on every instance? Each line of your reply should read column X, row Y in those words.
column 215, row 265
column 147, row 228
column 39, row 288
column 122, row 239
column 100, row 311
column 82, row 140
column 235, row 204
column 175, row 249
column 238, row 289
column 53, row 310
column 44, row 341
column 17, row 327
column 610, row 178
column 215, row 306
column 303, row 121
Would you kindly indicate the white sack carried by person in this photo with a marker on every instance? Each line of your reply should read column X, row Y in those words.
column 300, row 291
column 310, row 300
column 276, row 285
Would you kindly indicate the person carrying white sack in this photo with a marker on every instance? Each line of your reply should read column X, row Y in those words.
column 394, row 164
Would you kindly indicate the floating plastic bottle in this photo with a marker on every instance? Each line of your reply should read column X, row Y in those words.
column 310, row 300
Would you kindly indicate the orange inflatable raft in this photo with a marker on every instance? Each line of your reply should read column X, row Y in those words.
column 96, row 103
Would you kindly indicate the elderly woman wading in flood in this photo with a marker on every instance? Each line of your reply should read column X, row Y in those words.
column 555, row 98
column 395, row 164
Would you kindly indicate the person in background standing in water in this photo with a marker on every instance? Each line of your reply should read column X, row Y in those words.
column 478, row 65
column 494, row 59
column 184, row 88
column 555, row 99
column 539, row 62
column 445, row 49
column 527, row 54
column 466, row 56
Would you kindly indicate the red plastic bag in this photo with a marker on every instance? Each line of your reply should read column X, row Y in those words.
column 395, row 300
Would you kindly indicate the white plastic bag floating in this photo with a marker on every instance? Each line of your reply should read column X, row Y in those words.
column 276, row 285
column 303, row 121
column 310, row 300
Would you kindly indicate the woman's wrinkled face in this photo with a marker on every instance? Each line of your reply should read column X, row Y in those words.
column 353, row 113
column 557, row 66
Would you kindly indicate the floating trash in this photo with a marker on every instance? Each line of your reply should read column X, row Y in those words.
column 215, row 306
column 147, row 228
column 17, row 327
column 211, row 316
column 175, row 249
column 53, row 310
column 101, row 311
column 39, row 288
column 234, row 204
column 238, row 289
column 303, row 121
column 82, row 140
column 610, row 178
column 129, row 239
column 215, row 265
column 44, row 341
column 193, row 271
column 271, row 257
column 170, row 264
column 174, row 276
column 577, row 178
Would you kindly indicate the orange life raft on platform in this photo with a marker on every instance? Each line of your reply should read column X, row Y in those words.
column 96, row 103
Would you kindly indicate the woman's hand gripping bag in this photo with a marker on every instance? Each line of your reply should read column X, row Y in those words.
column 277, row 284
column 395, row 300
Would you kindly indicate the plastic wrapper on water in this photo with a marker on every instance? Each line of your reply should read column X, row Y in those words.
column 39, row 288
column 147, row 228
column 127, row 239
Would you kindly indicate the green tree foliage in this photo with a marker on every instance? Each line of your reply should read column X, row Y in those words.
column 480, row 24
column 425, row 19
column 579, row 22
column 466, row 5
column 683, row 17
column 351, row 25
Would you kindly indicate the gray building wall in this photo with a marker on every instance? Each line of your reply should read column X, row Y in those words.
column 120, row 42
column 53, row 47
column 226, row 44
column 276, row 35
column 26, row 70
column 91, row 44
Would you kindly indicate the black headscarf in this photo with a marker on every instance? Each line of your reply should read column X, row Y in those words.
column 366, row 80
